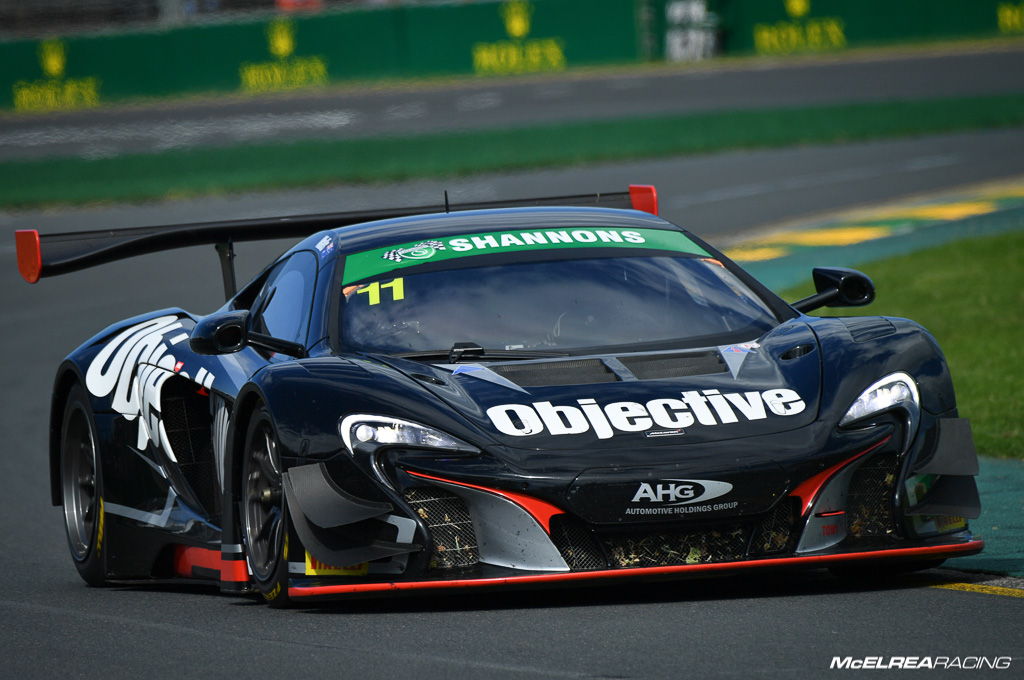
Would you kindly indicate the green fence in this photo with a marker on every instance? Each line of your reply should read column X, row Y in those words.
column 791, row 26
column 482, row 38
column 492, row 38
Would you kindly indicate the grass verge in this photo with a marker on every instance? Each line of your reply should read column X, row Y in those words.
column 969, row 294
column 311, row 163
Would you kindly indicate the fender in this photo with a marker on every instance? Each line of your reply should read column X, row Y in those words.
column 74, row 368
column 307, row 398
column 893, row 345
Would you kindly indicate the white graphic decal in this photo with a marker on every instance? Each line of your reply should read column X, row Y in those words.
column 221, row 422
column 325, row 246
column 542, row 238
column 113, row 369
column 420, row 251
column 707, row 407
column 132, row 369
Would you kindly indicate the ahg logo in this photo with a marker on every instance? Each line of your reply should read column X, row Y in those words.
column 680, row 491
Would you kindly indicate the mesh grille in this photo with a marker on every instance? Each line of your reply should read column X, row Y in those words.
column 773, row 533
column 571, row 372
column 869, row 500
column 655, row 366
column 577, row 545
column 725, row 543
column 450, row 525
column 187, row 421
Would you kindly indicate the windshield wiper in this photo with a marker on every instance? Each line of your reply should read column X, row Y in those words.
column 471, row 350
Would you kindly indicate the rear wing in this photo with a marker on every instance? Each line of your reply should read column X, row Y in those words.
column 55, row 254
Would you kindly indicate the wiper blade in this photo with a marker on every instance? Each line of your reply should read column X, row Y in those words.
column 470, row 350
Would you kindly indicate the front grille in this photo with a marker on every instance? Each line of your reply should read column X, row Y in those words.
column 869, row 501
column 725, row 543
column 773, row 533
column 576, row 543
column 450, row 526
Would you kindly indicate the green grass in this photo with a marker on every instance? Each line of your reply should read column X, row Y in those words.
column 970, row 295
column 310, row 163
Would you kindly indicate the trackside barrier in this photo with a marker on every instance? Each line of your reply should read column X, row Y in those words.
column 775, row 27
column 499, row 38
column 303, row 51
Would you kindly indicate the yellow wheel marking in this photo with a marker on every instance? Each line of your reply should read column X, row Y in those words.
column 99, row 530
column 272, row 595
column 981, row 588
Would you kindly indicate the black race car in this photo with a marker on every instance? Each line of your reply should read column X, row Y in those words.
column 516, row 393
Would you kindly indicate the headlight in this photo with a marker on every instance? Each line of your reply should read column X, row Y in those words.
column 369, row 433
column 897, row 390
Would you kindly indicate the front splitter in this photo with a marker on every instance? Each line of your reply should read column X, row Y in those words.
column 929, row 552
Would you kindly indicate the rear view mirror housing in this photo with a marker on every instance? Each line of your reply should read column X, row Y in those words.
column 229, row 332
column 838, row 287
column 220, row 333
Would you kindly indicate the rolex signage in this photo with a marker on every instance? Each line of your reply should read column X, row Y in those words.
column 285, row 71
column 54, row 91
column 520, row 52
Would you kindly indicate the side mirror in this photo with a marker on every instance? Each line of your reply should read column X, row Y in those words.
column 220, row 333
column 838, row 287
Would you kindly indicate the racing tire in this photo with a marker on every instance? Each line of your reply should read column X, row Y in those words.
column 882, row 570
column 81, row 479
column 264, row 512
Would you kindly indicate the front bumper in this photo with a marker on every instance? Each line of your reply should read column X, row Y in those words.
column 471, row 535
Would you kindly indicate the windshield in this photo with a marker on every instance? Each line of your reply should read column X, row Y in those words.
column 561, row 305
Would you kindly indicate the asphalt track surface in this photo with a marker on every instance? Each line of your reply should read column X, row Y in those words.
column 475, row 104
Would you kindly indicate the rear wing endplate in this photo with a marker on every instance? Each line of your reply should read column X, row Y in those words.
column 54, row 254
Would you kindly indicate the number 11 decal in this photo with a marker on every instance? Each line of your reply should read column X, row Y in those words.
column 372, row 291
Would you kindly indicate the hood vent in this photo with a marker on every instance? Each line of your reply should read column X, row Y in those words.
column 867, row 328
column 570, row 372
column 659, row 366
column 591, row 371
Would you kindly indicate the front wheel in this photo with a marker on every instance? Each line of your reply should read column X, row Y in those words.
column 82, row 489
column 264, row 512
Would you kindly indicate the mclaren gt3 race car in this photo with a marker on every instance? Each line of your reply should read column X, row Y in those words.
column 541, row 391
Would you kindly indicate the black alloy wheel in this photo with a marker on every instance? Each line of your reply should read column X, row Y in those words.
column 264, row 512
column 82, row 489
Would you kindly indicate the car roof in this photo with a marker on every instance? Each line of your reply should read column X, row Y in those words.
column 382, row 233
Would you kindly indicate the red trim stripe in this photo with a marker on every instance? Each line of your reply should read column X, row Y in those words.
column 541, row 511
column 234, row 571
column 186, row 557
column 348, row 588
column 808, row 490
